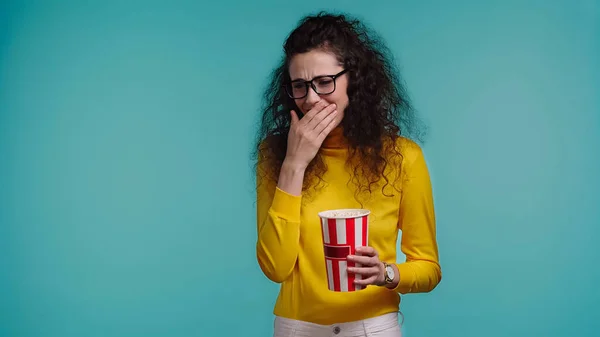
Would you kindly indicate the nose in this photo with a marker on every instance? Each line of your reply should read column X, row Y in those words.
column 311, row 98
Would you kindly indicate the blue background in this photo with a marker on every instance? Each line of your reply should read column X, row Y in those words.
column 126, row 191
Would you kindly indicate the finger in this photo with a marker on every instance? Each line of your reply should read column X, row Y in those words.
column 294, row 117
column 325, row 132
column 315, row 111
column 325, row 122
column 320, row 116
column 366, row 250
column 367, row 281
column 368, row 271
column 308, row 116
column 364, row 260
column 322, row 104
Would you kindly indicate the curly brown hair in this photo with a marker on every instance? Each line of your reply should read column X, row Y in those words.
column 378, row 112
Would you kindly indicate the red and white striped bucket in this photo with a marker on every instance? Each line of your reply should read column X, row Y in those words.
column 343, row 230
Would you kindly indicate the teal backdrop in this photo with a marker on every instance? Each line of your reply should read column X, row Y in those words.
column 126, row 189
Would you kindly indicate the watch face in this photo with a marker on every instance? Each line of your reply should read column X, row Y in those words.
column 390, row 272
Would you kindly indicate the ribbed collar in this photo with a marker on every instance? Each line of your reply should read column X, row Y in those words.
column 335, row 139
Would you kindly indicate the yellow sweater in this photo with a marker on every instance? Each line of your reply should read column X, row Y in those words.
column 290, row 245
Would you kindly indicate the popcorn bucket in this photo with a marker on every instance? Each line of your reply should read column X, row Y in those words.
column 343, row 230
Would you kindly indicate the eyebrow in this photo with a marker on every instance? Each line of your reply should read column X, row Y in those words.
column 304, row 80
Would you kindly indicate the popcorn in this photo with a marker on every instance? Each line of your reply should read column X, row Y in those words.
column 343, row 213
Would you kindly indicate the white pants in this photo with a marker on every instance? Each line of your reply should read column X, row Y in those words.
column 381, row 326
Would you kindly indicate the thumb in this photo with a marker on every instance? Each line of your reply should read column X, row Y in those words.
column 294, row 117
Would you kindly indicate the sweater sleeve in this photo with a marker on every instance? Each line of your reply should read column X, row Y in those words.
column 278, row 229
column 421, row 272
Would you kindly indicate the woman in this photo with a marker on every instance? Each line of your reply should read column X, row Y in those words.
column 336, row 133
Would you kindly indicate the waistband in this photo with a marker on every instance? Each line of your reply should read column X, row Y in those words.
column 385, row 321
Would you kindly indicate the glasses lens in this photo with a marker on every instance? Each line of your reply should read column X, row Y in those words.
column 324, row 85
column 296, row 89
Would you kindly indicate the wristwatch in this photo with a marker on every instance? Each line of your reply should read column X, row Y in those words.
column 388, row 273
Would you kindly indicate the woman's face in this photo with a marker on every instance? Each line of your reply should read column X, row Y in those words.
column 312, row 65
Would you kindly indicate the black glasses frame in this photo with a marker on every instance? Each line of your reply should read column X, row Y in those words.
column 312, row 85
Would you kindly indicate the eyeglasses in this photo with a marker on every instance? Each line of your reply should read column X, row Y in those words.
column 322, row 85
